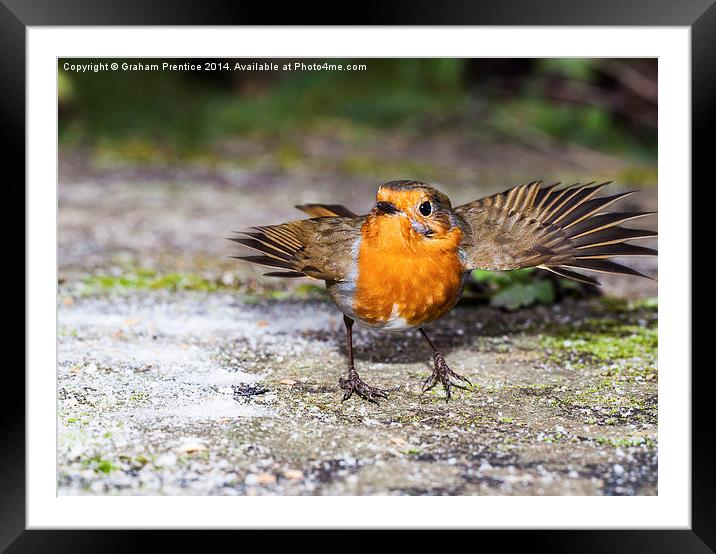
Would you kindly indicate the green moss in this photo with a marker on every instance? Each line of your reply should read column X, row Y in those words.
column 100, row 465
column 147, row 279
column 536, row 389
column 624, row 332
column 67, row 332
column 605, row 398
column 105, row 466
column 623, row 306
column 620, row 342
column 622, row 442
column 138, row 396
column 475, row 421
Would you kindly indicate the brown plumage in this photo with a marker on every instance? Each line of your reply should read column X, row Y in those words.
column 558, row 229
column 318, row 247
column 403, row 265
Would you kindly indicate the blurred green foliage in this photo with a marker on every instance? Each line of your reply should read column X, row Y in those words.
column 512, row 290
column 183, row 111
column 579, row 69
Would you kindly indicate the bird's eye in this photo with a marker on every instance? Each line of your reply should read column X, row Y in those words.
column 426, row 208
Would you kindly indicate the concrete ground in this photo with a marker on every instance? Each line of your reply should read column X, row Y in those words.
column 183, row 372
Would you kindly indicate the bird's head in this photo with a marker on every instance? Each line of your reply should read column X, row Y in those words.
column 417, row 209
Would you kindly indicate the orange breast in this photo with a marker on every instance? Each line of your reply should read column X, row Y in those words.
column 405, row 280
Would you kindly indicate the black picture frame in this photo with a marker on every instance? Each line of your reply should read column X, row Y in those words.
column 699, row 15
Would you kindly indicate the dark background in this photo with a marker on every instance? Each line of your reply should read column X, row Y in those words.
column 606, row 104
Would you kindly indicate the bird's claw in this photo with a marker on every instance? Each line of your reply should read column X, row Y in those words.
column 442, row 374
column 354, row 384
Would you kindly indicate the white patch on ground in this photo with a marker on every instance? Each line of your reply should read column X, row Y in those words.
column 214, row 408
column 135, row 370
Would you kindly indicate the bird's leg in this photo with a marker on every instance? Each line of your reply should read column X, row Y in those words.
column 354, row 384
column 442, row 373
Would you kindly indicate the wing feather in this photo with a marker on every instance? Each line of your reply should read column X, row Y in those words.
column 321, row 247
column 552, row 228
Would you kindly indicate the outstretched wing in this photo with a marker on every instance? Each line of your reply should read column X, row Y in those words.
column 558, row 229
column 326, row 210
column 321, row 247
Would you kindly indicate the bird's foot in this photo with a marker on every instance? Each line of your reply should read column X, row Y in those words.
column 354, row 384
column 443, row 374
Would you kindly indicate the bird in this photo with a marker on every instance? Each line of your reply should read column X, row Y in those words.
column 404, row 264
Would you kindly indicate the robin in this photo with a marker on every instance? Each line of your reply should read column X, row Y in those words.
column 404, row 264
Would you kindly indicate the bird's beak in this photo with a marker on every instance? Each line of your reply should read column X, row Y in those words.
column 421, row 228
column 386, row 207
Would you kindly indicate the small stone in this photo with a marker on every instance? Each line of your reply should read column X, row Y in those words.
column 289, row 382
column 166, row 460
column 293, row 474
column 266, row 479
column 191, row 446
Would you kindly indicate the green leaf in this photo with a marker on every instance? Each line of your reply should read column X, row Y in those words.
column 520, row 295
column 544, row 292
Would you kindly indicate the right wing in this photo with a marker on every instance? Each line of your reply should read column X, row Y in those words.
column 550, row 228
column 321, row 247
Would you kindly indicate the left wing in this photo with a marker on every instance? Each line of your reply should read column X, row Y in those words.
column 558, row 229
column 326, row 210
